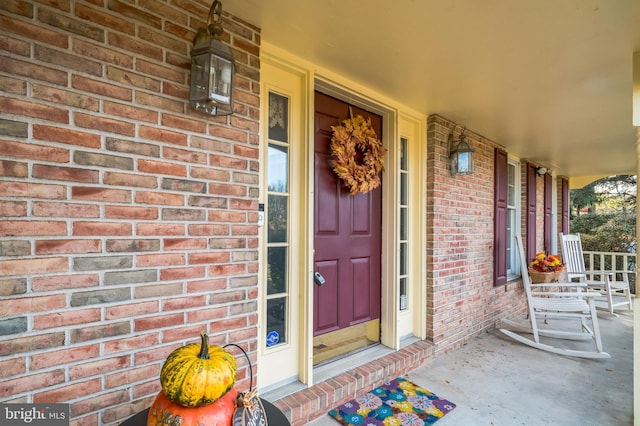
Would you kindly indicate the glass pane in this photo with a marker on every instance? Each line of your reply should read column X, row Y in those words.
column 278, row 117
column 403, row 258
column 511, row 200
column 403, row 189
column 276, row 270
column 276, row 321
column 403, row 154
column 403, row 294
column 278, row 167
column 277, row 213
column 403, row 223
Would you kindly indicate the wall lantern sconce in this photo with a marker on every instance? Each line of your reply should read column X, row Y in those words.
column 460, row 153
column 541, row 171
column 212, row 68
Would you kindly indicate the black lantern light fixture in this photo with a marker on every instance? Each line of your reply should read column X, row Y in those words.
column 212, row 68
column 460, row 153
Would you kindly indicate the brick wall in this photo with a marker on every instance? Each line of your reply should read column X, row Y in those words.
column 127, row 220
column 461, row 298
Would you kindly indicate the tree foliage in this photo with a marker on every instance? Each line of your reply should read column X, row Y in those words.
column 614, row 229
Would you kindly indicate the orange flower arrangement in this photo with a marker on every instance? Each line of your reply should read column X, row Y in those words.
column 355, row 135
column 544, row 262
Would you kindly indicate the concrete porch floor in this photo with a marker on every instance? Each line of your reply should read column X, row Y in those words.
column 495, row 380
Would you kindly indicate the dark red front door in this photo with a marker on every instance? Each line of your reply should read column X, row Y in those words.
column 347, row 239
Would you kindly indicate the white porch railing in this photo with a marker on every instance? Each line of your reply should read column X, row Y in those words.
column 612, row 262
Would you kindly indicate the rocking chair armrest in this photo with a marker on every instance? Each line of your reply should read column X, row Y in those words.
column 568, row 294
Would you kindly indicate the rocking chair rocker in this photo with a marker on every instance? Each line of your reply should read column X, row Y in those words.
column 544, row 304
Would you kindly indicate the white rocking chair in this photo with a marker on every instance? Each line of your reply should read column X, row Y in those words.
column 609, row 284
column 544, row 304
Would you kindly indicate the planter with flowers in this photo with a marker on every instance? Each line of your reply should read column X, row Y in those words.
column 545, row 268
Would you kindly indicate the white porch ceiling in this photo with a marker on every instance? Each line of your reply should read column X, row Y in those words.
column 551, row 80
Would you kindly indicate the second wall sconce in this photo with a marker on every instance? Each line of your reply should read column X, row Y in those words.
column 460, row 153
column 541, row 171
column 212, row 68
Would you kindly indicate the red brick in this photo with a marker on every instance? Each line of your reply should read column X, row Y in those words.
column 13, row 367
column 31, row 228
column 15, row 307
column 232, row 269
column 90, row 193
column 105, row 124
column 66, row 97
column 15, row 46
column 191, row 157
column 72, row 174
column 65, row 210
column 163, row 168
column 131, row 180
column 177, row 334
column 210, row 314
column 130, row 78
column 68, row 246
column 171, row 259
column 136, row 46
column 103, row 18
column 246, row 152
column 13, row 169
column 101, row 228
column 130, row 112
column 179, row 91
column 101, row 88
column 184, row 244
column 13, row 85
column 102, row 53
column 229, row 134
column 68, row 392
column 144, row 197
column 63, row 282
column 13, row 208
column 68, row 136
column 32, row 382
column 163, row 72
column 208, row 230
column 225, row 189
column 163, row 135
column 217, row 160
column 210, row 174
column 67, row 61
column 130, row 212
column 182, row 273
column 160, row 321
column 100, row 402
column 32, row 190
column 160, row 102
column 53, row 358
column 124, row 311
column 132, row 375
column 31, row 109
column 98, row 366
column 182, row 303
column 33, row 32
column 151, row 229
column 188, row 124
column 210, row 257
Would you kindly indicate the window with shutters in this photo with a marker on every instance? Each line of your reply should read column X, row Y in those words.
column 506, row 216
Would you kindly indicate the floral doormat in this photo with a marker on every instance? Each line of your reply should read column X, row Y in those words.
column 396, row 403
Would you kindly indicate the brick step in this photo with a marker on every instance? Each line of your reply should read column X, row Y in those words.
column 308, row 404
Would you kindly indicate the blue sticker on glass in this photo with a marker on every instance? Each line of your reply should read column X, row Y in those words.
column 272, row 338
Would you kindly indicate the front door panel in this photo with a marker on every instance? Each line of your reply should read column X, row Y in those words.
column 347, row 229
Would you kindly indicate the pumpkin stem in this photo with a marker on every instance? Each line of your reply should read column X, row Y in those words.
column 204, row 346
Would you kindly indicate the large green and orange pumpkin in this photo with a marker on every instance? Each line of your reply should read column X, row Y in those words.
column 164, row 412
column 197, row 375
